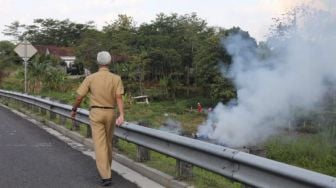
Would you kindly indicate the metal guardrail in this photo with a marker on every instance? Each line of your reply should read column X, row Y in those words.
column 236, row 165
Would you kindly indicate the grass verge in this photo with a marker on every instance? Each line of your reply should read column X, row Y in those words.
column 315, row 152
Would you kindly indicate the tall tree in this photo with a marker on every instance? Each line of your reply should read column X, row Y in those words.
column 48, row 31
column 121, row 34
column 138, row 70
column 88, row 46
column 15, row 30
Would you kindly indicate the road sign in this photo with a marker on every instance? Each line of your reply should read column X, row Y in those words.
column 25, row 50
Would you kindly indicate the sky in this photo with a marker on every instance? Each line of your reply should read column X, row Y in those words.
column 254, row 16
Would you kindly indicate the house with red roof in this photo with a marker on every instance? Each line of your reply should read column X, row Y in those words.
column 66, row 54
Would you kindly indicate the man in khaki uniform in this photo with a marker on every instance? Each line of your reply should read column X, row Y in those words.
column 106, row 91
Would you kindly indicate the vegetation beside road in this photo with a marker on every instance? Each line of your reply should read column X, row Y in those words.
column 178, row 61
column 314, row 151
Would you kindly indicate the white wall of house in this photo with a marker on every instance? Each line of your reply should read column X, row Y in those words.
column 69, row 60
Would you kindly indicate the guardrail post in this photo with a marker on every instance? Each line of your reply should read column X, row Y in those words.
column 22, row 104
column 115, row 141
column 30, row 107
column 35, row 108
column 52, row 115
column 74, row 125
column 88, row 131
column 25, row 105
column 142, row 153
column 9, row 102
column 183, row 169
column 62, row 119
column 42, row 110
column 3, row 101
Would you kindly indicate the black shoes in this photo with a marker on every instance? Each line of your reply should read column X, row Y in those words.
column 106, row 182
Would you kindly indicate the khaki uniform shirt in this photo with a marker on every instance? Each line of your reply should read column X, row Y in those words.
column 103, row 87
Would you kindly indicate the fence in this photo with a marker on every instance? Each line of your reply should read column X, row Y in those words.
column 236, row 165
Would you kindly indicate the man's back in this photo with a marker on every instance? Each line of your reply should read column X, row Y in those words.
column 103, row 87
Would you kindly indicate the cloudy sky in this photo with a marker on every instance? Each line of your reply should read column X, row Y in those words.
column 254, row 16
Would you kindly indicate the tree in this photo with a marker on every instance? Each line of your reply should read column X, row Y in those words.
column 194, row 32
column 210, row 60
column 7, row 54
column 117, row 37
column 8, row 58
column 48, row 31
column 15, row 29
column 139, row 69
column 172, row 53
column 88, row 46
column 121, row 34
column 171, row 42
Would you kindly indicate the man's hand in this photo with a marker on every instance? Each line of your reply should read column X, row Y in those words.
column 120, row 121
column 75, row 106
column 73, row 114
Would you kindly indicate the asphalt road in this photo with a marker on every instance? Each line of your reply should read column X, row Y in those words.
column 32, row 158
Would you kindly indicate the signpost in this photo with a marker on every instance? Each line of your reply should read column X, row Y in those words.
column 25, row 50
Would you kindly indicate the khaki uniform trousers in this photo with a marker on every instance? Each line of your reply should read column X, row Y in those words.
column 102, row 125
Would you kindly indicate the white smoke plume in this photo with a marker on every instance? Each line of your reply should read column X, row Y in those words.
column 301, row 68
column 171, row 125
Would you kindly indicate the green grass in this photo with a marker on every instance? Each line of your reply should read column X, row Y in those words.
column 127, row 148
column 162, row 162
column 66, row 97
column 13, row 81
column 156, row 113
column 83, row 129
column 205, row 179
column 201, row 178
column 316, row 152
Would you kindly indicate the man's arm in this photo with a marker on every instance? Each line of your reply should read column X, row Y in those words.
column 77, row 103
column 120, row 119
